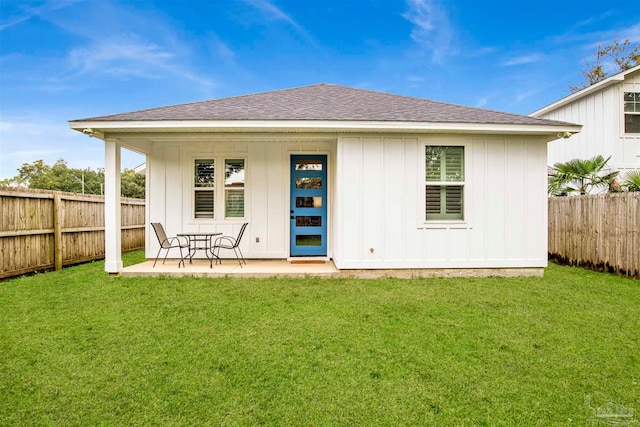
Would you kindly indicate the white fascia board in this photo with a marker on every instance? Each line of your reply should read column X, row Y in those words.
column 317, row 126
column 584, row 92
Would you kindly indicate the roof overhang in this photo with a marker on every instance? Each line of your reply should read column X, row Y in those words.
column 102, row 128
column 584, row 92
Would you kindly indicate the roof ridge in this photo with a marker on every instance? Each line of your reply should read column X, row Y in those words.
column 183, row 104
column 426, row 99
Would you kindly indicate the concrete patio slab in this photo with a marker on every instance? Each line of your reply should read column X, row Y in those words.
column 285, row 268
column 231, row 268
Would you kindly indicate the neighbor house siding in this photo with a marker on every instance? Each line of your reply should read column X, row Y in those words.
column 380, row 212
column 602, row 116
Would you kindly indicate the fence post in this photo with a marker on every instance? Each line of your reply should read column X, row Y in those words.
column 57, row 231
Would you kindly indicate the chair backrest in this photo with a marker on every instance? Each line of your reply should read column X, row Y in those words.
column 160, row 234
column 240, row 234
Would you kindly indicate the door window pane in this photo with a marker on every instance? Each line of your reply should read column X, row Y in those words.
column 315, row 183
column 308, row 202
column 308, row 165
column 310, row 240
column 308, row 221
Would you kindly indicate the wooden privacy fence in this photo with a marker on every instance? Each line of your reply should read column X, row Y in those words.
column 601, row 232
column 42, row 230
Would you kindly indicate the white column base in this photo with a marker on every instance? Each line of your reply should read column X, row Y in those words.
column 113, row 266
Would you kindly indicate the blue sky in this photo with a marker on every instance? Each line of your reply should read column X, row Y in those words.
column 70, row 59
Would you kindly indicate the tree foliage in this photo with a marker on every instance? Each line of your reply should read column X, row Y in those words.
column 62, row 178
column 609, row 60
column 631, row 180
column 581, row 176
column 132, row 184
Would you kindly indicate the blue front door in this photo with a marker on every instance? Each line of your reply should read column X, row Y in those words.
column 308, row 205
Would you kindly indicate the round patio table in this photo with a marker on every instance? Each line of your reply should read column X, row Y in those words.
column 201, row 241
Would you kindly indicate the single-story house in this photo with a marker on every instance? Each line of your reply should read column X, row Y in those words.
column 609, row 112
column 371, row 180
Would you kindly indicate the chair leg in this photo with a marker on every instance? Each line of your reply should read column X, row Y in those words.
column 165, row 256
column 181, row 259
column 237, row 256
column 242, row 256
column 157, row 255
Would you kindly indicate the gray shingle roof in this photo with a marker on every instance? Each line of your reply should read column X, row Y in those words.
column 326, row 102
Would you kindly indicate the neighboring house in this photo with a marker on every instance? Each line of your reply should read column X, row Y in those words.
column 371, row 180
column 609, row 112
column 141, row 169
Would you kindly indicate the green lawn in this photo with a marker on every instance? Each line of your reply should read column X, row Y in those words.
column 80, row 348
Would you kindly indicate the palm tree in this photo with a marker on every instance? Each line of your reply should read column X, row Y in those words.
column 580, row 176
column 631, row 180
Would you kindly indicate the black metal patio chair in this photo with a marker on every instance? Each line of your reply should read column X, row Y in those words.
column 231, row 243
column 169, row 243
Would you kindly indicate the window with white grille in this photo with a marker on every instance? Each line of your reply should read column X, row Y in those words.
column 444, row 182
column 632, row 112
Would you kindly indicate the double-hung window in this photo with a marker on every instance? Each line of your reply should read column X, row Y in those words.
column 204, row 188
column 234, row 188
column 444, row 182
column 632, row 112
column 210, row 189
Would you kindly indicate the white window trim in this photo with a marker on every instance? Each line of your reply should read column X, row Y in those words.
column 225, row 188
column 444, row 224
column 219, row 188
column 195, row 189
column 624, row 113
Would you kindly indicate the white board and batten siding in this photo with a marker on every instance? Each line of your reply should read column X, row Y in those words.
column 379, row 205
column 170, row 200
column 602, row 115
column 375, row 198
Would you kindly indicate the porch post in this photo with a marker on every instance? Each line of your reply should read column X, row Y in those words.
column 112, row 207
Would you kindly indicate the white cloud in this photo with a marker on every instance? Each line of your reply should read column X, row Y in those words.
column 481, row 102
column 523, row 95
column 591, row 39
column 27, row 138
column 274, row 12
column 221, row 49
column 414, row 79
column 523, row 59
column 119, row 41
column 432, row 29
column 27, row 12
column 119, row 56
